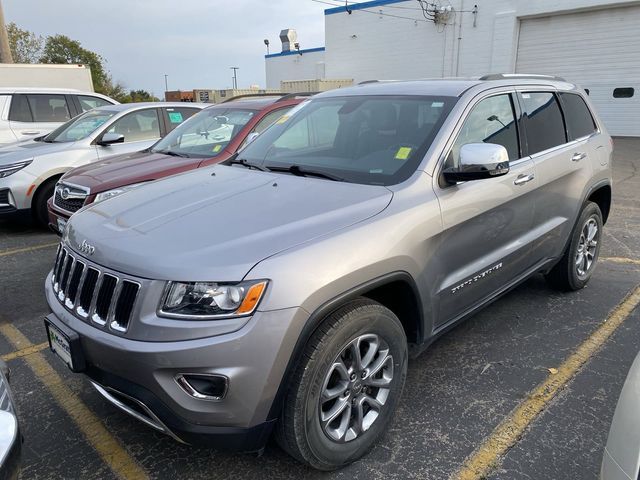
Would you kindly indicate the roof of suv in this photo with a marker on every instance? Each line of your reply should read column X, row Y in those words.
column 450, row 87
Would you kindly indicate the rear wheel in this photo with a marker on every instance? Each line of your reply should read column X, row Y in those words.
column 576, row 266
column 346, row 389
column 39, row 203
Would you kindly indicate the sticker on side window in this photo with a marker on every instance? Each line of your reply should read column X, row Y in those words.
column 175, row 117
column 403, row 153
column 216, row 148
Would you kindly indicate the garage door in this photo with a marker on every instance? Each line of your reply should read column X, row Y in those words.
column 599, row 50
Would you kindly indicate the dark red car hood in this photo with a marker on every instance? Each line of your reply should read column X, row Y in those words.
column 122, row 170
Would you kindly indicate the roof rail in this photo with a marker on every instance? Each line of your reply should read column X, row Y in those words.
column 368, row 81
column 251, row 95
column 507, row 76
column 289, row 96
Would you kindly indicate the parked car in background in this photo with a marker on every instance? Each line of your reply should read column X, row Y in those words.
column 209, row 137
column 10, row 436
column 30, row 112
column 282, row 289
column 621, row 460
column 29, row 170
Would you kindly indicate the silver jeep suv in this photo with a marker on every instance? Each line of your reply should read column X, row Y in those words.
column 283, row 290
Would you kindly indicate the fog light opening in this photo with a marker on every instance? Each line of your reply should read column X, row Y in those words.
column 203, row 386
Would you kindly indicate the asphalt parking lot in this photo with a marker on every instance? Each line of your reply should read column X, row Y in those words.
column 460, row 394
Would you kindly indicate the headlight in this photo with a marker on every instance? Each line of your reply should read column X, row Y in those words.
column 6, row 170
column 116, row 191
column 204, row 300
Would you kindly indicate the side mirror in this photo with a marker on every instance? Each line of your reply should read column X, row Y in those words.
column 478, row 161
column 110, row 139
column 251, row 137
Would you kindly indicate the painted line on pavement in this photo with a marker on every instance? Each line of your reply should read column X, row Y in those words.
column 489, row 454
column 624, row 260
column 114, row 455
column 14, row 251
column 25, row 351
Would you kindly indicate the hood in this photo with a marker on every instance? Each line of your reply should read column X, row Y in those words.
column 123, row 170
column 29, row 149
column 215, row 224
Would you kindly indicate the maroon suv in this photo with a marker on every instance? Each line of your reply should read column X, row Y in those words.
column 211, row 136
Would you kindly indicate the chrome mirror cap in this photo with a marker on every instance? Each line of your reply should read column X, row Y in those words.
column 478, row 161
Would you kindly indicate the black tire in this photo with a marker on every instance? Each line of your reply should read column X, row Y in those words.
column 299, row 431
column 39, row 203
column 565, row 276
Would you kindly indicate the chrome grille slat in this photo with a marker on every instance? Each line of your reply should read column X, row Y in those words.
column 101, row 297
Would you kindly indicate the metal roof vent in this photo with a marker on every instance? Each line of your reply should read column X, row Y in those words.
column 288, row 38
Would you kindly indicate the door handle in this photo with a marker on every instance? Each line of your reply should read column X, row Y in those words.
column 522, row 179
column 30, row 133
column 578, row 156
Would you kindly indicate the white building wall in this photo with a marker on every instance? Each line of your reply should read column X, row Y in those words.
column 306, row 65
column 370, row 44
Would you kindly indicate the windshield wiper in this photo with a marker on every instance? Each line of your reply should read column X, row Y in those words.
column 241, row 161
column 173, row 154
column 305, row 172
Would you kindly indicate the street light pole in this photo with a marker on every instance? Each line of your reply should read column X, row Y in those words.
column 235, row 77
column 5, row 51
column 166, row 86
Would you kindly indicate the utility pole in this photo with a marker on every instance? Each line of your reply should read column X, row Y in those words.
column 5, row 51
column 166, row 86
column 235, row 77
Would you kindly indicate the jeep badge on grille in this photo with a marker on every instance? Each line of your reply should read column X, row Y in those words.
column 86, row 248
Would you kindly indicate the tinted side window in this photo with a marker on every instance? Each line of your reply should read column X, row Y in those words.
column 491, row 121
column 543, row 121
column 176, row 115
column 87, row 102
column 49, row 108
column 138, row 126
column 20, row 111
column 577, row 115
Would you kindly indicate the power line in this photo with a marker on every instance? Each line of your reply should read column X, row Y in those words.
column 373, row 12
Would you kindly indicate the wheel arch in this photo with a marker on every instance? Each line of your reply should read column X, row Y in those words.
column 601, row 195
column 396, row 290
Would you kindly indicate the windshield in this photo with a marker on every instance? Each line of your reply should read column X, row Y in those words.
column 79, row 127
column 206, row 134
column 376, row 140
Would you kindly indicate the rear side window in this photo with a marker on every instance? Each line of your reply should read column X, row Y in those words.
column 577, row 115
column 543, row 121
column 88, row 102
column 49, row 108
column 20, row 111
column 176, row 115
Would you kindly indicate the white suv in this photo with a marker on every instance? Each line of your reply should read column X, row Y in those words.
column 29, row 112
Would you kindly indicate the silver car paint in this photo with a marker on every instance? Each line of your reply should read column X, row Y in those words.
column 315, row 239
column 621, row 460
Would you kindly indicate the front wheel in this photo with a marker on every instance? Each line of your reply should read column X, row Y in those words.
column 576, row 266
column 346, row 389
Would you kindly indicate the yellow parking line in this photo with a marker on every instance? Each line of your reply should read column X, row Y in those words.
column 13, row 251
column 122, row 464
column 486, row 457
column 628, row 261
column 25, row 351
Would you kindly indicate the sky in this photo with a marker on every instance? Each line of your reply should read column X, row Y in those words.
column 194, row 42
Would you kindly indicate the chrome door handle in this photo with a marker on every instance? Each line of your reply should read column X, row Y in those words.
column 522, row 179
column 30, row 133
column 578, row 156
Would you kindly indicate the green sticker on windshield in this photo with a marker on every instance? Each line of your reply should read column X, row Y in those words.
column 403, row 153
column 216, row 148
column 175, row 117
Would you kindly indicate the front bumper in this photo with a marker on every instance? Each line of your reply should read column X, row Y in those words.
column 54, row 215
column 253, row 358
column 20, row 187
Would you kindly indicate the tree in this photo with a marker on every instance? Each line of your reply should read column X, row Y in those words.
column 26, row 46
column 61, row 49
